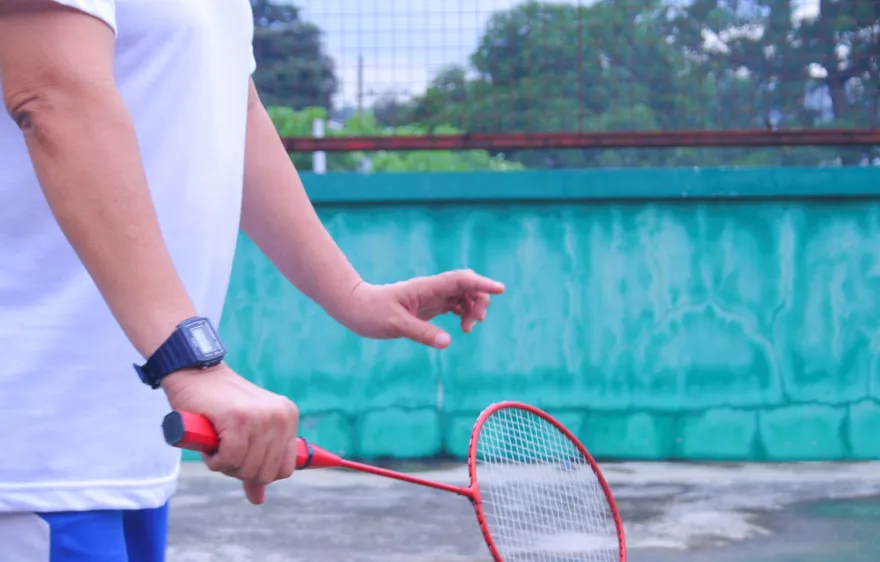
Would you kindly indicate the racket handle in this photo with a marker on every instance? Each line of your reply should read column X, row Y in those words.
column 194, row 432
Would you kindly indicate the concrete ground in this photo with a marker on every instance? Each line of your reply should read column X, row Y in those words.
column 672, row 512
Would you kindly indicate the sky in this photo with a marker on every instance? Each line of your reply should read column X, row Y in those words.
column 404, row 43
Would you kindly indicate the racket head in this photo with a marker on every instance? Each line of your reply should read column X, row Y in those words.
column 538, row 493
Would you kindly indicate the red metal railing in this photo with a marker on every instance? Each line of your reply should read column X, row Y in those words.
column 631, row 139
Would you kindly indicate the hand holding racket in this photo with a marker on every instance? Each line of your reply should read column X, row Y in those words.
column 537, row 492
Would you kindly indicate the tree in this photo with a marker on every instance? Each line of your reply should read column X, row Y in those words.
column 642, row 65
column 292, row 68
column 390, row 110
column 788, row 60
column 565, row 68
column 793, row 72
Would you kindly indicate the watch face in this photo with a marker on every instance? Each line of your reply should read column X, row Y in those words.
column 206, row 343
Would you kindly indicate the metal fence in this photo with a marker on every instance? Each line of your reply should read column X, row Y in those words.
column 504, row 75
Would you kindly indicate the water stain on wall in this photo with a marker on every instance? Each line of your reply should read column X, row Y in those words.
column 736, row 330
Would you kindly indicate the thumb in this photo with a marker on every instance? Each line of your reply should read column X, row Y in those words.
column 256, row 493
column 416, row 329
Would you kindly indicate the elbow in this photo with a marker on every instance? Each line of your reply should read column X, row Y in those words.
column 28, row 105
column 40, row 110
column 34, row 111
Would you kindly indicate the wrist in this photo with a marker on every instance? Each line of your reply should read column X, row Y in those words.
column 148, row 332
column 193, row 346
column 177, row 381
column 354, row 304
column 343, row 306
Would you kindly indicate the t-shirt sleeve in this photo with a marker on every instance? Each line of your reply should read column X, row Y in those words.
column 104, row 10
column 253, row 61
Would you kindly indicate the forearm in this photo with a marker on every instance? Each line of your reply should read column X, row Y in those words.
column 278, row 216
column 85, row 152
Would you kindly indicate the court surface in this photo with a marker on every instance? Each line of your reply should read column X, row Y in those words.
column 673, row 512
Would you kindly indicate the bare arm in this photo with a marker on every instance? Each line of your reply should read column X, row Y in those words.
column 58, row 85
column 278, row 216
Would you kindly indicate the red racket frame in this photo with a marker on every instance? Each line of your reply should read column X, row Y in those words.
column 195, row 432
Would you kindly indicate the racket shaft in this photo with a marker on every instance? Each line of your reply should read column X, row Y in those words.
column 403, row 477
column 194, row 432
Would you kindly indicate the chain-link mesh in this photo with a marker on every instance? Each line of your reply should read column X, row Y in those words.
column 541, row 498
column 535, row 75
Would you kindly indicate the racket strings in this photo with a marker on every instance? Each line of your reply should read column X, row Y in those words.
column 541, row 499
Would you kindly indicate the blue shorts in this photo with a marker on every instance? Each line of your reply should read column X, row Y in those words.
column 88, row 536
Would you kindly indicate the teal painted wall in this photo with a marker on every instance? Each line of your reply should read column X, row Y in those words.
column 702, row 314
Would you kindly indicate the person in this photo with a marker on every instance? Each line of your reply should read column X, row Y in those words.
column 135, row 149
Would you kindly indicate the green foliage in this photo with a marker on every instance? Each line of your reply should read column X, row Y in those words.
column 291, row 123
column 655, row 65
column 791, row 73
column 292, row 68
column 608, row 65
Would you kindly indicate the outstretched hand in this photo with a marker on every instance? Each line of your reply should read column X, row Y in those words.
column 404, row 309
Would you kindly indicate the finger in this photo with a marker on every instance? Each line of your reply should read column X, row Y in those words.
column 289, row 455
column 276, row 448
column 470, row 282
column 256, row 493
column 464, row 304
column 282, row 424
column 465, row 281
column 480, row 306
column 231, row 453
column 467, row 318
column 458, row 304
column 257, row 447
column 413, row 328
column 290, row 458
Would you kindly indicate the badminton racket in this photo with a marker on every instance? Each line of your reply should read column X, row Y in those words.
column 538, row 494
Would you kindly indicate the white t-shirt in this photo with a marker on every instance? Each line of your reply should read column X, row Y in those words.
column 78, row 430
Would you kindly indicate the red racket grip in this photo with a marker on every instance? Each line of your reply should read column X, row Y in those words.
column 194, row 432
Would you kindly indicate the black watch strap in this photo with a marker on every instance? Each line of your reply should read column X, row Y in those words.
column 175, row 354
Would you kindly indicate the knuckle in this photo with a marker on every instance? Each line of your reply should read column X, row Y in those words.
column 292, row 410
column 247, row 473
column 277, row 416
column 284, row 410
column 220, row 464
column 215, row 465
column 227, row 458
column 288, row 468
column 263, row 417
column 264, row 480
column 240, row 418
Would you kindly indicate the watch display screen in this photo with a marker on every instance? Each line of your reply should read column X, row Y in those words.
column 204, row 340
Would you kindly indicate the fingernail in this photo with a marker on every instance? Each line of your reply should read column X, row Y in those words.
column 471, row 325
column 442, row 339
